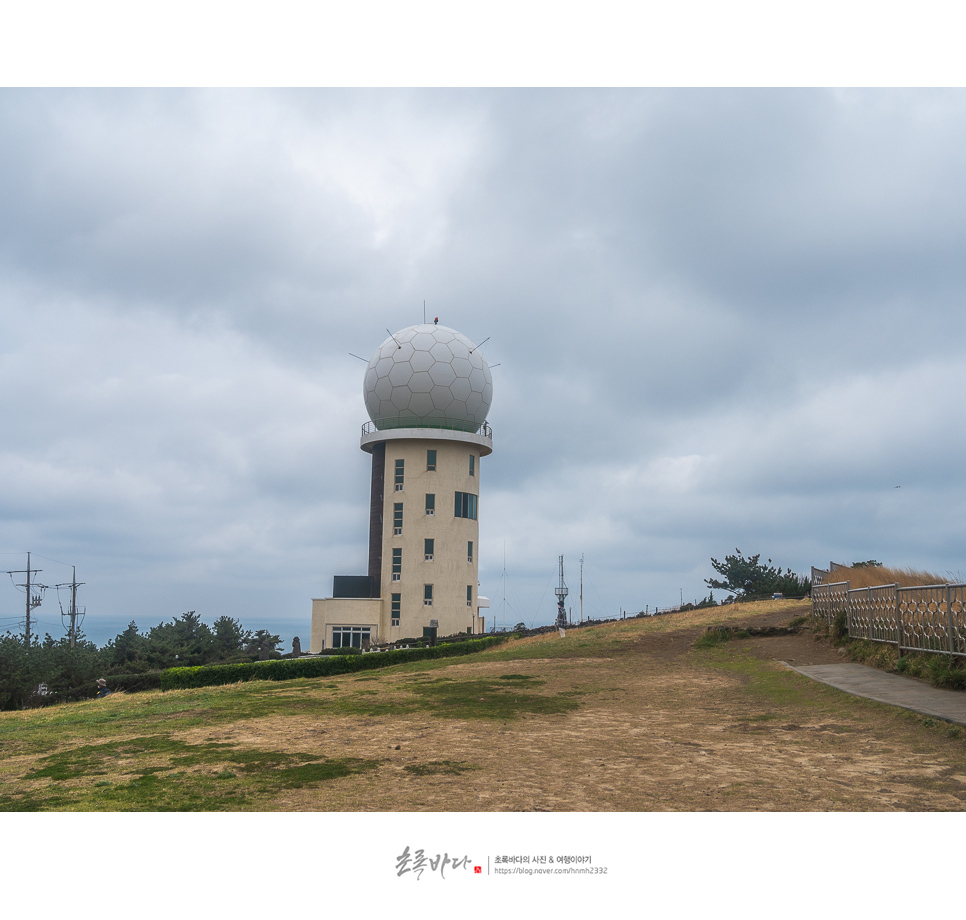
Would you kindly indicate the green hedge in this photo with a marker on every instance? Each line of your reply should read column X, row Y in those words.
column 289, row 669
column 133, row 683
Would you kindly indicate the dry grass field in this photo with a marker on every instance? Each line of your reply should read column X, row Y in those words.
column 627, row 716
column 872, row 576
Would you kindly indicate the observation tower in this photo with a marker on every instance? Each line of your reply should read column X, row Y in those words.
column 427, row 391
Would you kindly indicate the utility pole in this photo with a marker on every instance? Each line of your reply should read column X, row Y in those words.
column 74, row 585
column 31, row 600
column 73, row 605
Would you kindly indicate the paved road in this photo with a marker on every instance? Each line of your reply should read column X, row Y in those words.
column 860, row 680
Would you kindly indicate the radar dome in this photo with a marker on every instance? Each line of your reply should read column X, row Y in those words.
column 428, row 376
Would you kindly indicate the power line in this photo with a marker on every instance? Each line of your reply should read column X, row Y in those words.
column 34, row 594
column 42, row 556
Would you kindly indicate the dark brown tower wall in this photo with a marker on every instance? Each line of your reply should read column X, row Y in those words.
column 375, row 516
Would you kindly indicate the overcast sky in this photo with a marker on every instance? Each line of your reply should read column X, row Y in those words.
column 722, row 318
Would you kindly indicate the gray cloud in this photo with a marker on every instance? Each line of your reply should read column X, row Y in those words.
column 721, row 317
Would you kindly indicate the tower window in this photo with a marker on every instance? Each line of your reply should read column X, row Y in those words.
column 430, row 459
column 472, row 464
column 430, row 503
column 397, row 563
column 469, row 595
column 400, row 465
column 427, row 595
column 397, row 519
column 466, row 505
column 469, row 551
column 396, row 604
column 428, row 546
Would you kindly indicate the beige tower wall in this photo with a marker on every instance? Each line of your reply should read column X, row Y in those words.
column 451, row 570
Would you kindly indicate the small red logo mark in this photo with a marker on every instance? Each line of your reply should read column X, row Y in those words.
column 478, row 870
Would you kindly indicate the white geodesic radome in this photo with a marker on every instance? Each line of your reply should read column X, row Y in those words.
column 428, row 376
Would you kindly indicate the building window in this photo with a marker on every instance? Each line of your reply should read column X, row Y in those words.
column 356, row 636
column 466, row 505
column 472, row 465
column 428, row 549
column 430, row 503
column 430, row 459
column 397, row 563
column 397, row 519
column 400, row 464
column 427, row 595
column 469, row 595
column 396, row 604
column 469, row 551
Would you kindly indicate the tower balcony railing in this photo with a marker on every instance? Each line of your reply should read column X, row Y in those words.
column 443, row 424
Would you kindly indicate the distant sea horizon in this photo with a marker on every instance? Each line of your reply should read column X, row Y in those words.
column 102, row 629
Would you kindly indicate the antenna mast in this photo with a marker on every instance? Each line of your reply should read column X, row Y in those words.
column 581, row 587
column 504, row 587
column 561, row 593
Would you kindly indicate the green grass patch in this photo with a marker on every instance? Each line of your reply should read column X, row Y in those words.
column 158, row 773
column 102, row 759
column 491, row 699
column 715, row 635
column 586, row 642
column 506, row 697
column 763, row 681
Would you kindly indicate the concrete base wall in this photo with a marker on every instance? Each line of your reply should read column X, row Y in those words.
column 343, row 611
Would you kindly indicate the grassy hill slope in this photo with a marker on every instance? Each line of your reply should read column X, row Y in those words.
column 618, row 717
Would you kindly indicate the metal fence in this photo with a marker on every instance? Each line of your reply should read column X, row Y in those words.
column 830, row 599
column 930, row 618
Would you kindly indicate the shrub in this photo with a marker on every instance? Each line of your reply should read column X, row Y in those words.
column 940, row 670
column 839, row 630
column 134, row 683
column 708, row 601
column 874, row 654
column 294, row 668
column 715, row 635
